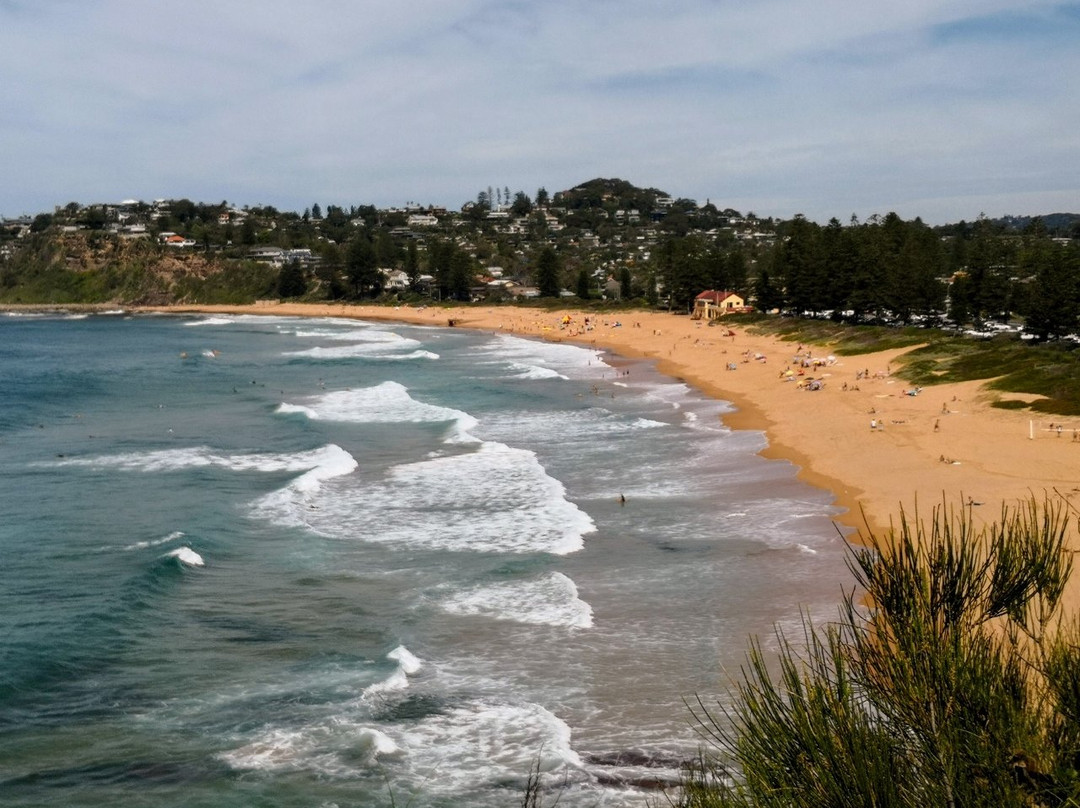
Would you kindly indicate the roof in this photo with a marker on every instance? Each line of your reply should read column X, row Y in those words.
column 713, row 296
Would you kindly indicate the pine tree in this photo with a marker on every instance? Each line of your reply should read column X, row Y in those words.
column 548, row 270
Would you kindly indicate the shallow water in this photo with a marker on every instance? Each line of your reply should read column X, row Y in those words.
column 318, row 562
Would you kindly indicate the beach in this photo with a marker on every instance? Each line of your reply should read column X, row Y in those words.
column 861, row 435
column 298, row 560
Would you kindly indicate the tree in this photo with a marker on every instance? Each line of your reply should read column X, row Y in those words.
column 461, row 276
column 522, row 205
column 799, row 262
column 94, row 218
column 767, row 295
column 542, row 197
column 479, row 209
column 625, row 284
column 440, row 255
column 316, row 211
column 958, row 687
column 291, row 280
column 1054, row 304
column 41, row 222
column 548, row 269
column 412, row 264
column 248, row 234
column 583, row 284
column 361, row 266
column 683, row 267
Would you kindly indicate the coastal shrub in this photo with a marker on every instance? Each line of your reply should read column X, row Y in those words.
column 1010, row 404
column 953, row 679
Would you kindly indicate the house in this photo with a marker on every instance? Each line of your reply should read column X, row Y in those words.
column 174, row 240
column 274, row 256
column 395, row 279
column 710, row 305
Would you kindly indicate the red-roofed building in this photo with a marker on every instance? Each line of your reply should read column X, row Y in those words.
column 711, row 304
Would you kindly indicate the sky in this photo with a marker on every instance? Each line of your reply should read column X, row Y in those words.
column 943, row 109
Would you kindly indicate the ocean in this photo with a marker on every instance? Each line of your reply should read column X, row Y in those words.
column 322, row 562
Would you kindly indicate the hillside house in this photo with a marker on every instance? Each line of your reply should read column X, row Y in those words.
column 710, row 305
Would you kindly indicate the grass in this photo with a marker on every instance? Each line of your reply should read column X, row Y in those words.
column 851, row 340
column 1010, row 366
column 1006, row 363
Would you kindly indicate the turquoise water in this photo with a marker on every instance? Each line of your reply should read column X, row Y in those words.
column 283, row 562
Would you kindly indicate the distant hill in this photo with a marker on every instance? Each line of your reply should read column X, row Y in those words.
column 1058, row 224
column 609, row 193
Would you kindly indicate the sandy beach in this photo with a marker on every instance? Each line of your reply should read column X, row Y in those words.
column 860, row 436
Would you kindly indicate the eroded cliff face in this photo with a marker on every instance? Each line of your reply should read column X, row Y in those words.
column 83, row 253
column 95, row 267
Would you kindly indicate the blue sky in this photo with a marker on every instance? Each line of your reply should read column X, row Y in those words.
column 938, row 108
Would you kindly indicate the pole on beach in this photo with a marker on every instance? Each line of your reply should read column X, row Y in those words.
column 1031, row 430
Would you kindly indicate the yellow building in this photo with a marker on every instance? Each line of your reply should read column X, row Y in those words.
column 711, row 304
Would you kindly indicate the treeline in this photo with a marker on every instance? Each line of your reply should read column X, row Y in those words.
column 890, row 270
column 604, row 238
column 688, row 265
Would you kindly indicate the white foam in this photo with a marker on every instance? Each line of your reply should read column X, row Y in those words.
column 329, row 461
column 569, row 361
column 406, row 357
column 510, row 505
column 379, row 744
column 142, row 545
column 523, row 371
column 385, row 403
column 212, row 321
column 408, row 665
column 358, row 350
column 395, row 682
column 466, row 747
column 672, row 395
column 552, row 599
column 330, row 749
column 354, row 334
column 492, row 742
column 276, row 749
column 555, row 426
column 318, row 465
column 185, row 555
column 287, row 409
column 369, row 343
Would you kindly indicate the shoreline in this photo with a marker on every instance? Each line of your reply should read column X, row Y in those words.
column 944, row 445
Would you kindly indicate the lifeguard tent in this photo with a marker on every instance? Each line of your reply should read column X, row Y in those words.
column 711, row 305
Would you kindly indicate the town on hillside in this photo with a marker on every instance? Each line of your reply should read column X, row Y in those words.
column 603, row 240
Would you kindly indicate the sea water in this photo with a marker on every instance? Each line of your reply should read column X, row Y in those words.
column 319, row 562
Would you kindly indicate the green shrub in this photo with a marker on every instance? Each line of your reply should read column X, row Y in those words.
column 951, row 681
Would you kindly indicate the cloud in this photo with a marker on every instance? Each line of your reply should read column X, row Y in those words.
column 781, row 106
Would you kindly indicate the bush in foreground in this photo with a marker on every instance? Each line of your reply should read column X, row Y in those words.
column 954, row 681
